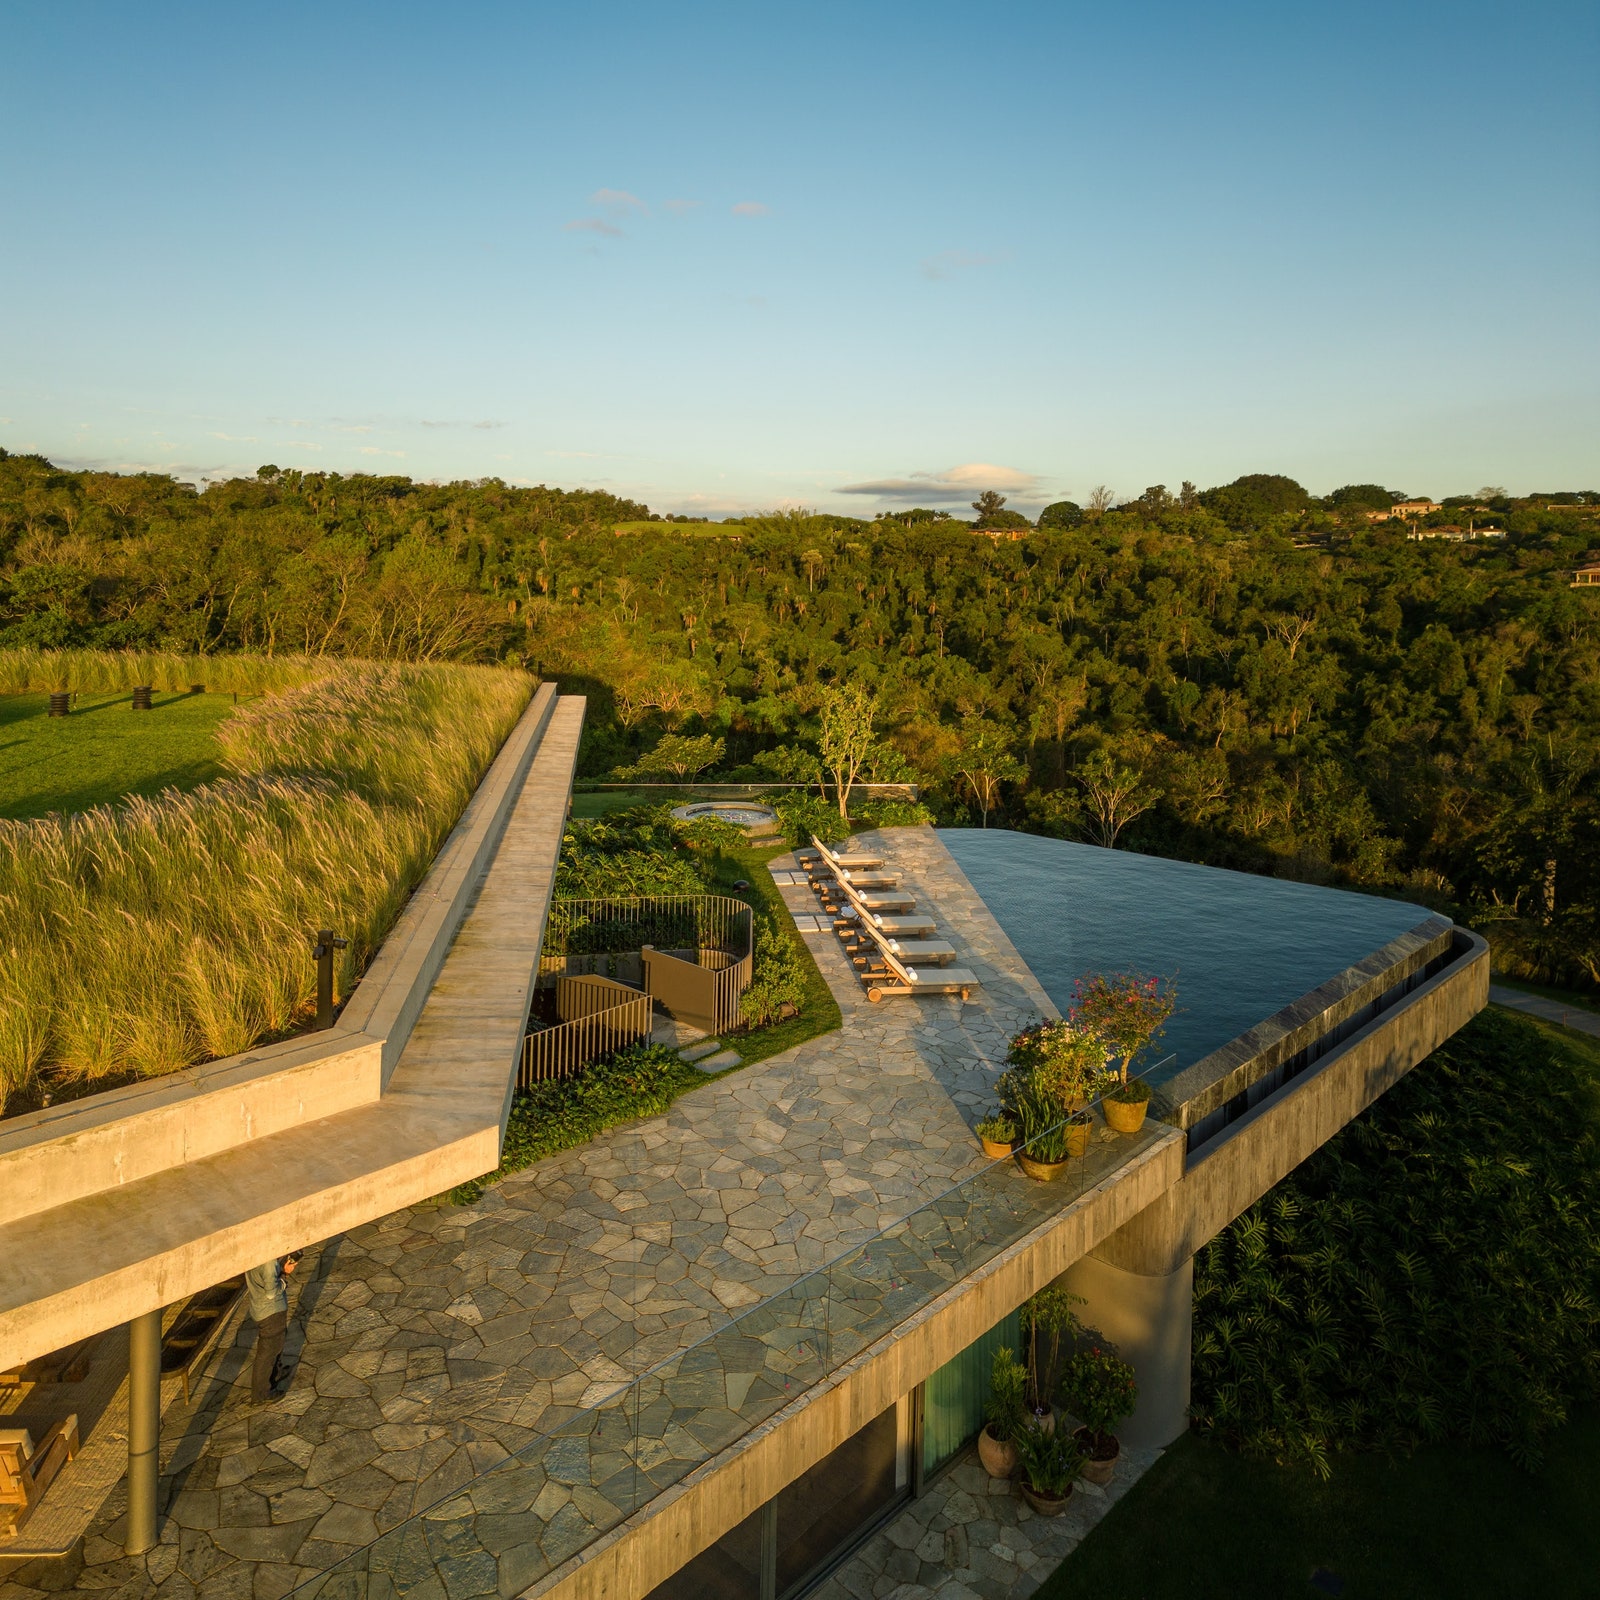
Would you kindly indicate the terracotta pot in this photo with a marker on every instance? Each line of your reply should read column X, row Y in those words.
column 995, row 1150
column 1099, row 1461
column 1047, row 1505
column 1043, row 1171
column 1124, row 1116
column 1077, row 1138
column 999, row 1459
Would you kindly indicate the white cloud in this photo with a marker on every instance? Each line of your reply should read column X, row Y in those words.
column 592, row 225
column 302, row 444
column 752, row 208
column 236, row 438
column 949, row 262
column 373, row 450
column 618, row 202
column 954, row 484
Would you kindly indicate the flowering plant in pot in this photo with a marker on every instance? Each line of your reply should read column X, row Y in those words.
column 1051, row 1463
column 1005, row 1414
column 1125, row 1106
column 1098, row 1387
column 1123, row 1011
column 998, row 1135
column 1060, row 1059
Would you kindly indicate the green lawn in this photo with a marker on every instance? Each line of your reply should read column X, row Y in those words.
column 820, row 1013
column 604, row 801
column 1445, row 1524
column 104, row 750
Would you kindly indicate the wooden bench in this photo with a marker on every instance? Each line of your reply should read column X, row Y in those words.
column 26, row 1470
column 186, row 1342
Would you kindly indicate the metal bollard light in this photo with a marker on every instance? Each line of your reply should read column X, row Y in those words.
column 323, row 944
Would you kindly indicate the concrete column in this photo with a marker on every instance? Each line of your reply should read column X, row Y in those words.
column 1150, row 1318
column 144, row 1429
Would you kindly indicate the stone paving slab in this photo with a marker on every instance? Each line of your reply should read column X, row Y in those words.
column 433, row 1343
column 972, row 1535
column 1560, row 1012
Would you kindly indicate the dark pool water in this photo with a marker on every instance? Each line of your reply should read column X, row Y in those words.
column 1239, row 947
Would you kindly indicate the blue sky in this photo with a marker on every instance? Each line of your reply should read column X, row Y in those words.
column 846, row 256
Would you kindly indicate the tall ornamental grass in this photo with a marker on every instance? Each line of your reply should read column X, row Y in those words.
column 155, row 934
column 107, row 671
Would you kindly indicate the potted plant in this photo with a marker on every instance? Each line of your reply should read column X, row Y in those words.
column 1124, row 1011
column 1077, row 1133
column 1061, row 1059
column 998, row 1135
column 1098, row 1387
column 1006, row 1412
column 1051, row 1463
column 1042, row 1129
column 1125, row 1106
column 1047, row 1321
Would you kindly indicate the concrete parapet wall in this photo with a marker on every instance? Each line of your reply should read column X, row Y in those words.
column 686, row 1519
column 64, row 1153
column 1234, row 1170
column 1205, row 1088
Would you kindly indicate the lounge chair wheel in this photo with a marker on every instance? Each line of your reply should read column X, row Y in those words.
column 966, row 994
column 874, row 995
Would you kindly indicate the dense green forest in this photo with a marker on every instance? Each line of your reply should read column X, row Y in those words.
column 1245, row 675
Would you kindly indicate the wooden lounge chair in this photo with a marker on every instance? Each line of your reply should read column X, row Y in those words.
column 904, row 927
column 847, row 859
column 863, row 881
column 913, row 952
column 923, row 952
column 184, row 1348
column 26, row 1470
column 911, row 980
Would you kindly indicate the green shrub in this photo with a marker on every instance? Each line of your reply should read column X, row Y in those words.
column 892, row 813
column 638, row 1081
column 780, row 974
column 629, row 853
column 805, row 815
column 1432, row 1273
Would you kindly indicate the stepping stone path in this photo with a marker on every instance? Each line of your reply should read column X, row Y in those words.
column 696, row 1052
column 719, row 1062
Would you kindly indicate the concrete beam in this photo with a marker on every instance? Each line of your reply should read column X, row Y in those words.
column 1231, row 1172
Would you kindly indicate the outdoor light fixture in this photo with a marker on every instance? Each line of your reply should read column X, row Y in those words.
column 323, row 943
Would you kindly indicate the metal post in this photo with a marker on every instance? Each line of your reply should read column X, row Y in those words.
column 144, row 1429
column 323, row 944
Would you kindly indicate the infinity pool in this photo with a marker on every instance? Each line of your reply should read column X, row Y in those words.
column 1239, row 947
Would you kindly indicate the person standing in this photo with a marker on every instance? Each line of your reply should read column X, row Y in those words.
column 269, row 1309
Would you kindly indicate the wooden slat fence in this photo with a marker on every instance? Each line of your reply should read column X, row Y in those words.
column 561, row 1051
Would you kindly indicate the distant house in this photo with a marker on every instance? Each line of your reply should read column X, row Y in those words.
column 1587, row 577
column 1451, row 531
column 1405, row 509
column 997, row 534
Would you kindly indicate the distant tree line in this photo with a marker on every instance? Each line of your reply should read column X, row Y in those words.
column 1245, row 675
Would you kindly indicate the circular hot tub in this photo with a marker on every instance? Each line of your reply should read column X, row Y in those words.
column 750, row 815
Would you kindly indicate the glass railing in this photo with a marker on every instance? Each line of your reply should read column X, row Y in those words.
column 502, row 1531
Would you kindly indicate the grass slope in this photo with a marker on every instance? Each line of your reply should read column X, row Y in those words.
column 1445, row 1524
column 104, row 751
